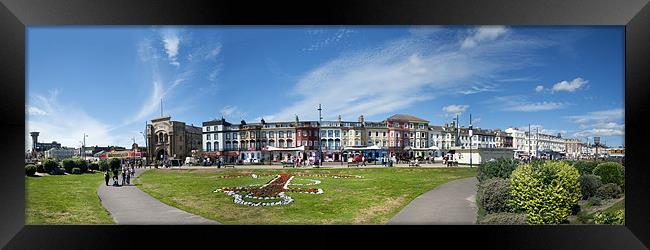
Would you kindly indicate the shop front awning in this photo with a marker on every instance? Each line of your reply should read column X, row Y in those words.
column 432, row 148
column 269, row 148
column 373, row 147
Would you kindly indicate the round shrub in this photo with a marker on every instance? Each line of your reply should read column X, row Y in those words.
column 50, row 165
column 114, row 164
column 40, row 168
column 81, row 164
column 504, row 219
column 611, row 172
column 589, row 183
column 595, row 201
column 609, row 191
column 501, row 168
column 68, row 164
column 103, row 165
column 30, row 169
column 58, row 171
column 613, row 218
column 585, row 167
column 493, row 195
column 545, row 192
column 93, row 166
column 76, row 171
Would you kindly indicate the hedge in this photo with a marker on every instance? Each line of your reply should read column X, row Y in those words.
column 585, row 167
column 545, row 192
column 103, row 165
column 614, row 218
column 504, row 219
column 589, row 183
column 68, row 164
column 40, row 168
column 611, row 172
column 50, row 165
column 493, row 195
column 81, row 164
column 501, row 168
column 30, row 169
column 609, row 191
column 114, row 164
column 76, row 171
column 58, row 171
column 93, row 166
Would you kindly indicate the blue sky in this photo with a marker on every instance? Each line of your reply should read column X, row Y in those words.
column 107, row 81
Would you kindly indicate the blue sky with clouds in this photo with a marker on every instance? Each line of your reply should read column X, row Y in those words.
column 107, row 81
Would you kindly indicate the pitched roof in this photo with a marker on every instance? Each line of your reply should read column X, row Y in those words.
column 406, row 117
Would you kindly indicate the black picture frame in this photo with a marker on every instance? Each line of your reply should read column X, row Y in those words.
column 16, row 15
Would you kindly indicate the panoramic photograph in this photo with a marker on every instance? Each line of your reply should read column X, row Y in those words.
column 319, row 125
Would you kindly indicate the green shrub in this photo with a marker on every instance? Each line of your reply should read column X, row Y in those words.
column 609, row 191
column 501, row 168
column 30, row 169
column 585, row 167
column 50, row 165
column 40, row 168
column 504, row 219
column 611, row 172
column 103, row 165
column 68, row 164
column 584, row 217
column 114, row 164
column 493, row 195
column 613, row 218
column 575, row 209
column 93, row 166
column 58, row 171
column 545, row 192
column 76, row 171
column 81, row 164
column 595, row 201
column 589, row 183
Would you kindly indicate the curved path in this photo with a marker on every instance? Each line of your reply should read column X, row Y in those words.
column 130, row 205
column 451, row 203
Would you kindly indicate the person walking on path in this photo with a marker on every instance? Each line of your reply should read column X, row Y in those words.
column 123, row 176
column 107, row 177
column 132, row 171
column 128, row 176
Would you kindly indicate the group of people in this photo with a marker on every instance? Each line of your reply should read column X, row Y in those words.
column 128, row 172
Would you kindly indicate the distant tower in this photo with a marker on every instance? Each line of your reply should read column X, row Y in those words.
column 361, row 120
column 34, row 140
column 339, row 119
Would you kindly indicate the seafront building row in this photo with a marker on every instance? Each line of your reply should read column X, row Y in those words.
column 403, row 136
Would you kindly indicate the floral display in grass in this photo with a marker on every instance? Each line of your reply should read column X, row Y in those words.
column 274, row 192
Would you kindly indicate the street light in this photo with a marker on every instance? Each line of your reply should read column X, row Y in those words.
column 320, row 144
column 470, row 140
column 83, row 147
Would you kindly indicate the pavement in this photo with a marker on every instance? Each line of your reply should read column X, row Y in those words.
column 453, row 203
column 325, row 166
column 131, row 206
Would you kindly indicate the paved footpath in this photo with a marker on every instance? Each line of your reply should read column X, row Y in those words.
column 130, row 205
column 452, row 203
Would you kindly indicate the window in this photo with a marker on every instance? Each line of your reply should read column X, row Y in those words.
column 207, row 137
column 215, row 128
column 384, row 134
column 323, row 133
column 369, row 133
column 271, row 134
column 330, row 133
column 289, row 134
column 281, row 134
column 358, row 133
column 337, row 133
column 234, row 136
column 207, row 129
column 208, row 146
column 310, row 143
column 227, row 136
column 345, row 133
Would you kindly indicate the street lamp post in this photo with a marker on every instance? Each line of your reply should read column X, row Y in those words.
column 470, row 140
column 320, row 143
column 83, row 147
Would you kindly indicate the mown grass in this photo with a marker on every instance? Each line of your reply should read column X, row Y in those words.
column 371, row 200
column 65, row 199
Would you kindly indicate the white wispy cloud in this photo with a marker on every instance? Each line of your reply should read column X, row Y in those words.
column 534, row 128
column 171, row 41
column 31, row 110
column 539, row 88
column 600, row 123
column 65, row 123
column 455, row 109
column 233, row 113
column 569, row 86
column 521, row 104
column 328, row 40
column 400, row 73
column 483, row 34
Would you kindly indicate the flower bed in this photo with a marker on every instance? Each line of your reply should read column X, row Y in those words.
column 273, row 192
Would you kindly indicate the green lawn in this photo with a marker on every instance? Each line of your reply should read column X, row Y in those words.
column 65, row 199
column 371, row 200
